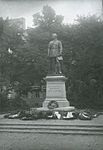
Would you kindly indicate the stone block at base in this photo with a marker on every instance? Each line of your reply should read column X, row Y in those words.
column 60, row 109
column 61, row 103
column 65, row 109
column 55, row 91
column 41, row 109
column 55, row 96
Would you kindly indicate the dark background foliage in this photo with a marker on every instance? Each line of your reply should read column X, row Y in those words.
column 28, row 64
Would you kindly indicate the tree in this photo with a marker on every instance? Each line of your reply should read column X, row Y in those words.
column 27, row 63
column 48, row 19
column 10, row 42
column 39, row 37
column 82, row 50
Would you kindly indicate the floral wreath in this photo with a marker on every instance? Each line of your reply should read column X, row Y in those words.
column 52, row 104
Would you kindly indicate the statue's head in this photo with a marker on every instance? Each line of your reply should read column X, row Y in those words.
column 54, row 36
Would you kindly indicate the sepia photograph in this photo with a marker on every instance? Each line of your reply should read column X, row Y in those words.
column 51, row 74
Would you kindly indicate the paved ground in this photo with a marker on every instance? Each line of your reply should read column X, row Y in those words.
column 9, row 141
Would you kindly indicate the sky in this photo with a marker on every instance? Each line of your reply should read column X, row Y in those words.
column 67, row 8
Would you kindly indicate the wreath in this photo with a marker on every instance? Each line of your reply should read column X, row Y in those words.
column 52, row 105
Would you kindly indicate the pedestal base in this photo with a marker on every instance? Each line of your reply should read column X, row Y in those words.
column 55, row 91
column 45, row 109
column 55, row 95
column 61, row 103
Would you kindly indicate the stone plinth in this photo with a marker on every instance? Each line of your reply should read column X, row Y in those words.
column 55, row 91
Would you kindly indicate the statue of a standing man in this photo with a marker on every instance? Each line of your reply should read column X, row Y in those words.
column 55, row 55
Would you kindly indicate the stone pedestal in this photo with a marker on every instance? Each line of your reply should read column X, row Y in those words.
column 55, row 91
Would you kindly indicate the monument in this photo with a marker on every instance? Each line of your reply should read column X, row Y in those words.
column 55, row 80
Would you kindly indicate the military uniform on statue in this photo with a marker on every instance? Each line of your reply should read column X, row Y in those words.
column 55, row 56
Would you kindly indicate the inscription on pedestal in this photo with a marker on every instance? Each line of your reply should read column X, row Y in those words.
column 55, row 90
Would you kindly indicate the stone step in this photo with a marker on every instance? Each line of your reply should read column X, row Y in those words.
column 83, row 130
column 22, row 127
column 34, row 124
column 52, row 132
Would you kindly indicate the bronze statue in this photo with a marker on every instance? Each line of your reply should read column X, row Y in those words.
column 55, row 55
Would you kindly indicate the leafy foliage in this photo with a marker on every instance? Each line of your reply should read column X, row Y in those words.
column 82, row 52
